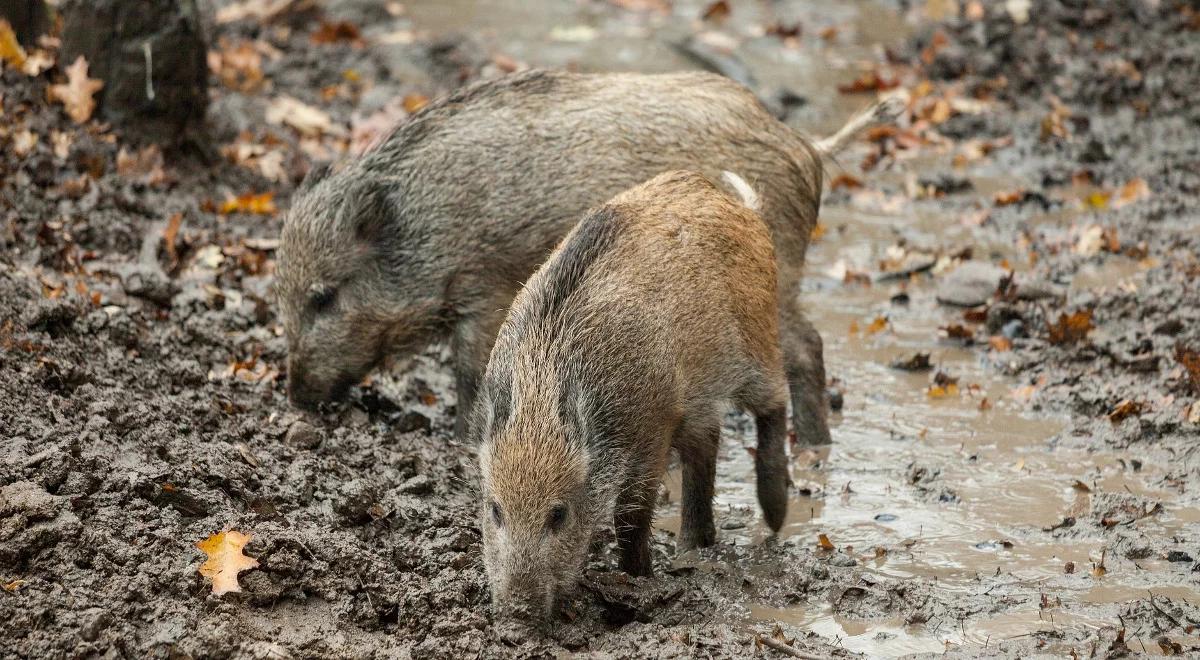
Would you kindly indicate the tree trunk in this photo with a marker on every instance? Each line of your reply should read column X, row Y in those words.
column 28, row 18
column 151, row 56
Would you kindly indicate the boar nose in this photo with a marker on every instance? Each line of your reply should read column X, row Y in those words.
column 528, row 601
column 300, row 392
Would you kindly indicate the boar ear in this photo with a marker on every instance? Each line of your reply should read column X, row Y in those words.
column 315, row 174
column 372, row 210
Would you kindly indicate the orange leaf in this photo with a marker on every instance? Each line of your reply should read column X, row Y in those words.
column 844, row 181
column 261, row 204
column 870, row 81
column 76, row 94
column 877, row 325
column 1131, row 192
column 716, row 11
column 330, row 33
column 824, row 543
column 1124, row 409
column 1070, row 329
column 414, row 102
column 225, row 560
column 1000, row 343
column 1009, row 197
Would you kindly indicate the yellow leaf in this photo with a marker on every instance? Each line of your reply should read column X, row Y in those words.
column 225, row 560
column 942, row 391
column 1098, row 200
column 877, row 325
column 76, row 94
column 11, row 52
column 824, row 543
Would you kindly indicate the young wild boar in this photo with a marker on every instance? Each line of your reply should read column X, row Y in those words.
column 656, row 311
column 429, row 235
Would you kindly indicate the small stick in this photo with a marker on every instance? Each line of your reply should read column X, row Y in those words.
column 786, row 649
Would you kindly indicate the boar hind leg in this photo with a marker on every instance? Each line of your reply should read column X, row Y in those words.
column 472, row 344
column 771, row 465
column 698, row 454
column 804, row 361
column 635, row 512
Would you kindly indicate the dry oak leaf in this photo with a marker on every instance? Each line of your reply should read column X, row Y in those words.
column 76, row 94
column 225, row 560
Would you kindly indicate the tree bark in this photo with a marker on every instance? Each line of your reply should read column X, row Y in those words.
column 28, row 18
column 151, row 55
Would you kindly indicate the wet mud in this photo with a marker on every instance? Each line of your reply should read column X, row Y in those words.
column 1011, row 320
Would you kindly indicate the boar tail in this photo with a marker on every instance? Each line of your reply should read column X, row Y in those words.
column 885, row 110
column 748, row 197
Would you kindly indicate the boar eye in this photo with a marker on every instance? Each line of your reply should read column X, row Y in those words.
column 497, row 516
column 322, row 299
column 557, row 517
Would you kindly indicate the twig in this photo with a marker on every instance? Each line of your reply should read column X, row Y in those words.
column 1162, row 611
column 786, row 649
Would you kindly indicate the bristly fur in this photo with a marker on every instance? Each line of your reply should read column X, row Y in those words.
column 655, row 312
column 429, row 235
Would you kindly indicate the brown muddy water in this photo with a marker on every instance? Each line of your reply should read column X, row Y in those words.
column 1002, row 480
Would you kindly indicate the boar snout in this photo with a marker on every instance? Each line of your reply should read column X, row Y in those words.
column 307, row 390
column 524, row 599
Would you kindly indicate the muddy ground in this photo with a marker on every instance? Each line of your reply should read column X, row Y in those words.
column 142, row 403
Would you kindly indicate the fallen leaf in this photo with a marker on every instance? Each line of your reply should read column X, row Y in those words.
column 11, row 52
column 1190, row 359
column 716, row 11
column 984, row 404
column 845, row 181
column 824, row 543
column 145, row 165
column 76, row 94
column 818, row 231
column 170, row 235
column 23, row 142
column 310, row 121
column 335, row 32
column 225, row 560
column 261, row 10
column 1123, row 410
column 1070, row 328
column 1054, row 123
column 1018, row 10
column 237, row 67
column 1134, row 190
column 1009, row 197
column 414, row 102
column 869, row 81
column 260, row 204
column 1191, row 414
column 1000, row 343
column 877, row 325
column 37, row 62
column 14, row 586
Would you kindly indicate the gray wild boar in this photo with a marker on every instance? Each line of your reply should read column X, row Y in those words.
column 654, row 313
column 429, row 235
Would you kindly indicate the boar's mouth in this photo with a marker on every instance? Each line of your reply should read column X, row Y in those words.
column 305, row 395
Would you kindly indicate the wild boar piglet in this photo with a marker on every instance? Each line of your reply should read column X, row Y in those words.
column 656, row 312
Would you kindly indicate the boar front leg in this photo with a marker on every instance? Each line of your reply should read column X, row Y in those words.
column 472, row 345
column 804, row 362
column 635, row 512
